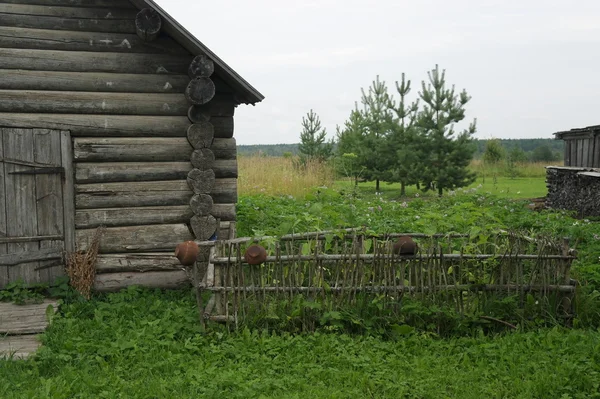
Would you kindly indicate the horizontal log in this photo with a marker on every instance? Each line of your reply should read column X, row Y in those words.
column 220, row 105
column 160, row 193
column 68, row 12
column 8, row 240
column 112, row 282
column 113, row 125
column 201, row 66
column 147, row 238
column 102, row 125
column 153, row 149
column 61, row 23
column 49, row 39
column 150, row 149
column 73, row 102
column 133, row 216
column 148, row 24
column 223, row 126
column 16, row 79
column 106, row 172
column 142, row 262
column 200, row 90
column 85, row 61
column 75, row 3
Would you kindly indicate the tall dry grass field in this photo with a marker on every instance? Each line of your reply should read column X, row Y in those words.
column 281, row 176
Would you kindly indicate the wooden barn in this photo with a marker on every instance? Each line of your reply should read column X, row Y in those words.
column 576, row 185
column 582, row 146
column 111, row 114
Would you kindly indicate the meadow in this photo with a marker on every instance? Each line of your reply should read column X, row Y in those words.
column 144, row 343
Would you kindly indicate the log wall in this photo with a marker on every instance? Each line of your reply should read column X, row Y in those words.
column 574, row 189
column 128, row 101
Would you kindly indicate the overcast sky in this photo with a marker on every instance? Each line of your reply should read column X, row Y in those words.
column 532, row 67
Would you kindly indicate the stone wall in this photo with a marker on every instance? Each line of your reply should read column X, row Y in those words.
column 576, row 189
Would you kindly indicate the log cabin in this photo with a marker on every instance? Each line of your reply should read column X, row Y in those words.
column 111, row 114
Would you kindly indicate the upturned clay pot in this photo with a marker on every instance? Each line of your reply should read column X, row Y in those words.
column 187, row 253
column 255, row 255
column 405, row 246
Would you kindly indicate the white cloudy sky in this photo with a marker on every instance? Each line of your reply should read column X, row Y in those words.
column 531, row 66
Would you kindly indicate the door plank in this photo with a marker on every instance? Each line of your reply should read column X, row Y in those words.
column 68, row 190
column 21, row 215
column 3, row 247
column 49, row 197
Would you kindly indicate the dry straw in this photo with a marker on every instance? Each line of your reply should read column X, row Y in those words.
column 81, row 265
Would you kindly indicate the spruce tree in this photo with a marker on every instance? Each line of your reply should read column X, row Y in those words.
column 448, row 153
column 313, row 143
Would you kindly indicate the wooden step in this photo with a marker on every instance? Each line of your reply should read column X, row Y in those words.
column 18, row 346
column 24, row 319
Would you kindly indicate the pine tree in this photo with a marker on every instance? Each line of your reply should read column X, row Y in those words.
column 349, row 143
column 448, row 154
column 377, row 126
column 403, row 140
column 313, row 143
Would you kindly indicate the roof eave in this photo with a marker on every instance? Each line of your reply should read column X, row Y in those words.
column 246, row 93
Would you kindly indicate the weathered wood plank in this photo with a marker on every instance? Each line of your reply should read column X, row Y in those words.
column 49, row 197
column 85, row 61
column 24, row 319
column 102, row 125
column 74, row 102
column 134, row 216
column 68, row 190
column 159, row 193
column 48, row 39
column 140, row 262
column 580, row 152
column 597, row 152
column 68, row 12
column 3, row 269
column 111, row 282
column 105, row 172
column 573, row 153
column 61, row 23
column 586, row 152
column 161, row 237
column 26, row 261
column 567, row 153
column 75, row 3
column 18, row 347
column 16, row 79
column 20, row 203
column 149, row 149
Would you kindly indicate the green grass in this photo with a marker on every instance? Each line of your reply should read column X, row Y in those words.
column 146, row 344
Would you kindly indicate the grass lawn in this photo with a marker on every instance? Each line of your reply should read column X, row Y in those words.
column 520, row 187
column 146, row 344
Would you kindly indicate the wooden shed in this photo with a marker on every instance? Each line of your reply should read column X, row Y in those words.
column 582, row 146
column 111, row 114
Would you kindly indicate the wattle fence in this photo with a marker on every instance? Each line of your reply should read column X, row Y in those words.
column 332, row 271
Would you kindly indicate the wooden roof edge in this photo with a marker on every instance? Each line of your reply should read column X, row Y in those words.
column 594, row 129
column 247, row 94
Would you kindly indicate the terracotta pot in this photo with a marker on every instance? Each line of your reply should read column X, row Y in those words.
column 255, row 255
column 405, row 246
column 187, row 253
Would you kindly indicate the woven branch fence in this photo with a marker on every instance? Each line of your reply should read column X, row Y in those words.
column 340, row 269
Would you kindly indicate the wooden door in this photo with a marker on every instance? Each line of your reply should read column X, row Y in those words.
column 36, row 204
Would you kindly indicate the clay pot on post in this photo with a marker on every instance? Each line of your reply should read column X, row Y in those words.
column 405, row 246
column 255, row 255
column 187, row 253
